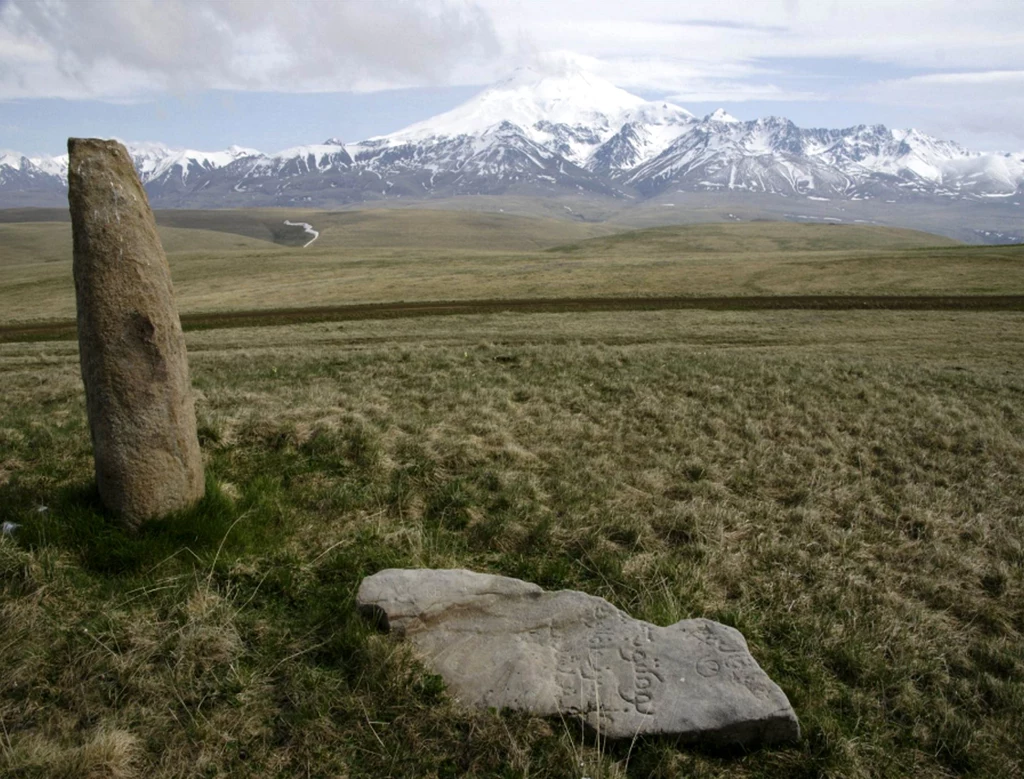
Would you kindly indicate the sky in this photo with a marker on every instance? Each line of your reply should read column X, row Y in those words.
column 270, row 74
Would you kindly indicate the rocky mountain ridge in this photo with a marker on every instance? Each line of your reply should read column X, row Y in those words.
column 544, row 134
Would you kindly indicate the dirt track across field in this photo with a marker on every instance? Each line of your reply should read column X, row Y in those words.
column 51, row 331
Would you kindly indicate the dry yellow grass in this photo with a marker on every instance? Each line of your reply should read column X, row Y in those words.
column 844, row 487
column 373, row 257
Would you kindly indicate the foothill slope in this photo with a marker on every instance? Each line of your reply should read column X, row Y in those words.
column 251, row 261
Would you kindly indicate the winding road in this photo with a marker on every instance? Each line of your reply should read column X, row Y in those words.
column 307, row 228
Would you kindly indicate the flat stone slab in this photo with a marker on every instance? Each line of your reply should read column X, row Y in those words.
column 505, row 643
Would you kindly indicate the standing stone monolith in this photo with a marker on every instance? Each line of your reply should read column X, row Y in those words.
column 138, row 395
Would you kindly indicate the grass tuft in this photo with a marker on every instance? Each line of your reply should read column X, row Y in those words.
column 77, row 522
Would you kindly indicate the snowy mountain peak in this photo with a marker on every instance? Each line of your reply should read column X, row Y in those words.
column 154, row 162
column 559, row 107
column 11, row 159
column 53, row 166
column 530, row 96
column 721, row 116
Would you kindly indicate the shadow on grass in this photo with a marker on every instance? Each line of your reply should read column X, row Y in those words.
column 214, row 528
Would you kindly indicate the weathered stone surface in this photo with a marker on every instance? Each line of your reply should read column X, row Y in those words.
column 132, row 351
column 505, row 643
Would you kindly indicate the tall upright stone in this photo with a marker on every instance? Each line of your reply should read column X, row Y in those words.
column 137, row 389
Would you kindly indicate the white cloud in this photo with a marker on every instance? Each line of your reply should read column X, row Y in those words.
column 986, row 105
column 719, row 51
column 118, row 48
column 712, row 92
column 999, row 89
column 967, row 56
column 999, row 78
column 924, row 33
column 103, row 49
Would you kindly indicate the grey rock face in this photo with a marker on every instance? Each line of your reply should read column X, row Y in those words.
column 132, row 351
column 505, row 643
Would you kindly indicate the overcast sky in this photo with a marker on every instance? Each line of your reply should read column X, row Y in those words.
column 269, row 74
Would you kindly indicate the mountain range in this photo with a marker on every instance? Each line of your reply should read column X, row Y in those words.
column 567, row 133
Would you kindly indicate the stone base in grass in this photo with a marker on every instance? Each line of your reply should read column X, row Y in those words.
column 505, row 643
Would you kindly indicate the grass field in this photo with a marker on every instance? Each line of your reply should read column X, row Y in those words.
column 843, row 487
column 224, row 261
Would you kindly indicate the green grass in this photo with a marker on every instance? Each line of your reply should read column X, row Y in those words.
column 843, row 487
column 362, row 229
column 224, row 261
column 748, row 238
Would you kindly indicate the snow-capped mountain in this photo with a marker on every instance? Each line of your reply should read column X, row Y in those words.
column 160, row 165
column 773, row 155
column 570, row 113
column 32, row 181
column 543, row 133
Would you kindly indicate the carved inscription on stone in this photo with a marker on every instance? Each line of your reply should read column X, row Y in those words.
column 501, row 642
